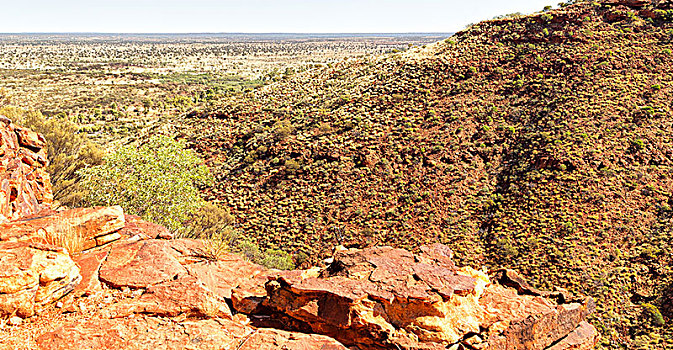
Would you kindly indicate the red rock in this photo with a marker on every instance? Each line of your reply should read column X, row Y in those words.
column 150, row 333
column 30, row 139
column 250, row 294
column 382, row 298
column 25, row 188
column 89, row 264
column 225, row 274
column 145, row 333
column 141, row 264
column 32, row 275
column 584, row 337
column 97, row 225
column 270, row 339
column 184, row 296
column 146, row 230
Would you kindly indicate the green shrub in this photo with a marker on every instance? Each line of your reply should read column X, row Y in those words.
column 4, row 97
column 282, row 130
column 157, row 180
column 249, row 249
column 292, row 165
column 653, row 314
column 271, row 258
column 277, row 259
column 210, row 221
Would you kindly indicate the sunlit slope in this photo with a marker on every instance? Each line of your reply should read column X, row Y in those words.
column 540, row 143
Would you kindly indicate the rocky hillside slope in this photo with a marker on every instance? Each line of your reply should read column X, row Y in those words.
column 123, row 283
column 542, row 143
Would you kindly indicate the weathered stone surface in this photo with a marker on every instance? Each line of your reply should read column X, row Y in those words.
column 382, row 298
column 270, row 339
column 584, row 337
column 89, row 264
column 97, row 225
column 184, row 296
column 149, row 333
column 531, row 322
column 250, row 294
column 228, row 272
column 141, row 264
column 24, row 183
column 144, row 333
column 32, row 275
column 135, row 226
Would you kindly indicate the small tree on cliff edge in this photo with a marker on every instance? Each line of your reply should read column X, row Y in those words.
column 157, row 180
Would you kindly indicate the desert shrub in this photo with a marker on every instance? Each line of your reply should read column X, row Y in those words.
column 505, row 248
column 277, row 259
column 158, row 179
column 67, row 151
column 4, row 97
column 219, row 242
column 63, row 234
column 209, row 221
column 653, row 315
column 271, row 258
column 282, row 130
column 249, row 249
column 292, row 165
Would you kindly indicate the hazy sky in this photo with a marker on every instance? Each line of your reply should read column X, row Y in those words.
column 253, row 16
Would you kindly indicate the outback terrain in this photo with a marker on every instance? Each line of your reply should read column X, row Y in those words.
column 118, row 85
column 540, row 144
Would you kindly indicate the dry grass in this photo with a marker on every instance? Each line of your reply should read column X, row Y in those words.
column 218, row 244
column 63, row 234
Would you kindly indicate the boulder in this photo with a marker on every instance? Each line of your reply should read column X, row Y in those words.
column 137, row 227
column 584, row 337
column 382, row 298
column 32, row 275
column 89, row 264
column 141, row 264
column 184, row 296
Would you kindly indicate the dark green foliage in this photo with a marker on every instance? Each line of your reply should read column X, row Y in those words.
column 157, row 179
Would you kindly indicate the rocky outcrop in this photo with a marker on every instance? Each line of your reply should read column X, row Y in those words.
column 33, row 275
column 24, row 183
column 183, row 305
column 142, row 294
column 76, row 229
column 382, row 298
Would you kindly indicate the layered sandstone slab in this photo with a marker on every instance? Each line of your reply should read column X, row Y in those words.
column 382, row 298
column 149, row 333
column 91, row 226
column 24, row 183
column 32, row 275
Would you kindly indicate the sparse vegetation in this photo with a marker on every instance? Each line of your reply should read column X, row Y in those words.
column 539, row 143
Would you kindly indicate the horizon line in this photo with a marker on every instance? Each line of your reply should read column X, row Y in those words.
column 257, row 33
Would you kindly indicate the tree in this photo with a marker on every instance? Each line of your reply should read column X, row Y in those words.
column 158, row 180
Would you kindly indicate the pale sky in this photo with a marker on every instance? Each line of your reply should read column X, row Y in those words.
column 253, row 16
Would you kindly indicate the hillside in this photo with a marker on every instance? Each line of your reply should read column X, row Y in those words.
column 540, row 143
column 98, row 278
